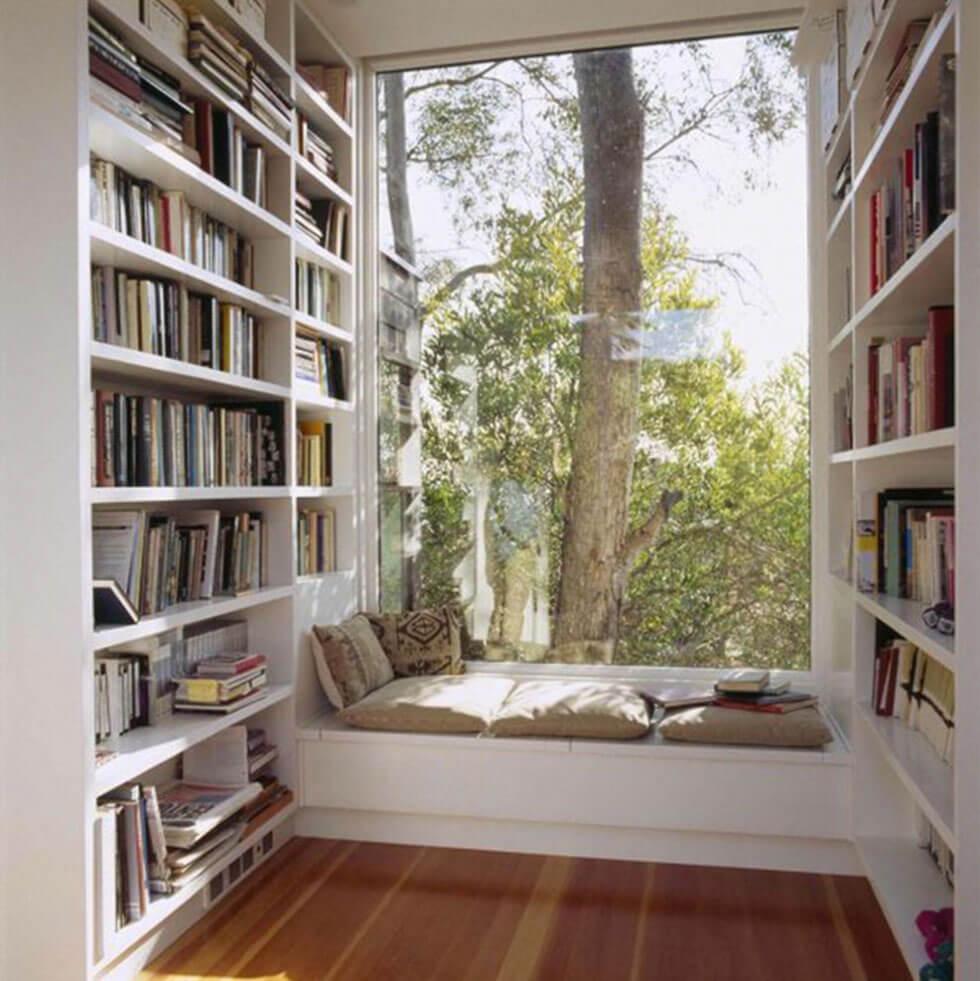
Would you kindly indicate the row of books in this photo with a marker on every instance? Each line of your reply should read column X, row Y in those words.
column 220, row 57
column 223, row 683
column 910, row 686
column 934, row 843
column 145, row 441
column 121, row 699
column 843, row 414
column 160, row 316
column 908, row 549
column 321, row 362
column 167, row 220
column 325, row 222
column 226, row 154
column 317, row 291
column 317, row 545
column 314, row 148
column 911, row 381
column 920, row 190
column 314, row 453
column 333, row 84
column 161, row 559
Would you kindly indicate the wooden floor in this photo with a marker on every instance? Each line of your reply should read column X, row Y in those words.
column 338, row 910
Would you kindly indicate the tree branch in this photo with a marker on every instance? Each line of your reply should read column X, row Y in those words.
column 644, row 536
column 453, row 82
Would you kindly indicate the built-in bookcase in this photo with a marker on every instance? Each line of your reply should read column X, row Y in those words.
column 899, row 778
column 280, row 612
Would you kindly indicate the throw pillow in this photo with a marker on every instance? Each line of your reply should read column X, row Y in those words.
column 350, row 662
column 420, row 642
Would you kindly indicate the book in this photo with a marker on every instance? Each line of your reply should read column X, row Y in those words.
column 223, row 708
column 316, row 552
column 191, row 811
column 229, row 665
column 743, row 680
column 111, row 605
column 763, row 705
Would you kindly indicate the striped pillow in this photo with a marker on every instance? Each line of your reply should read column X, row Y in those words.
column 349, row 661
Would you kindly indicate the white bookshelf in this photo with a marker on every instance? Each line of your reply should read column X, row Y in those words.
column 899, row 777
column 279, row 613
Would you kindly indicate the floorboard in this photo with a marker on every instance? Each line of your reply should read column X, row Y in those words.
column 343, row 911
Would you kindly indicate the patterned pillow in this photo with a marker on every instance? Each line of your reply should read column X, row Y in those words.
column 420, row 642
column 349, row 661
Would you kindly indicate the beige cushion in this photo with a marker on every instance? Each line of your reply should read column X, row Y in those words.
column 711, row 724
column 420, row 642
column 462, row 704
column 573, row 709
column 349, row 661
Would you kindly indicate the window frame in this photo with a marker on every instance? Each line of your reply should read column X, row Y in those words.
column 823, row 675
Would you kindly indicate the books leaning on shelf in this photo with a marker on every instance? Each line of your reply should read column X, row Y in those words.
column 898, row 74
column 321, row 362
column 145, row 441
column 333, row 84
column 168, row 221
column 920, row 191
column 910, row 686
column 911, row 381
column 111, row 604
column 314, row 148
column 160, row 316
column 317, row 546
column 843, row 414
column 226, row 154
column 914, row 531
column 317, row 291
column 314, row 452
column 325, row 222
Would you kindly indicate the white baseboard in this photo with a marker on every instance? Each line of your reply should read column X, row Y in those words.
column 822, row 855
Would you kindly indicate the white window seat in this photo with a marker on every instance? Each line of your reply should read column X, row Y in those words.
column 647, row 798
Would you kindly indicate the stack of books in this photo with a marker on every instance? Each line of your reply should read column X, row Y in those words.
column 160, row 316
column 305, row 219
column 317, row 549
column 164, row 559
column 752, row 690
column 921, row 190
column 223, row 683
column 163, row 104
column 317, row 291
column 321, row 362
column 908, row 548
column 145, row 441
column 333, row 84
column 911, row 381
column 268, row 101
column 314, row 451
column 909, row 685
column 168, row 221
column 260, row 753
column 203, row 640
column 218, row 55
column 226, row 154
column 314, row 148
column 333, row 218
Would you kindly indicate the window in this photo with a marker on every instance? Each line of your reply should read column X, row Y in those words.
column 594, row 426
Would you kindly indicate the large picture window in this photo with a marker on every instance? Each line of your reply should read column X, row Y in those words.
column 594, row 428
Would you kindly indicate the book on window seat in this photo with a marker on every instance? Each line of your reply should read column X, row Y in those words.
column 680, row 696
column 743, row 680
column 777, row 704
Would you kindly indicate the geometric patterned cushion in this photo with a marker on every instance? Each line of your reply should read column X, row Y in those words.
column 420, row 642
column 349, row 661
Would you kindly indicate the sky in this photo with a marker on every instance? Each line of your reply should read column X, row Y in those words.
column 766, row 313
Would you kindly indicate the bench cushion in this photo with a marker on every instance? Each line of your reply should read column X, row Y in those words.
column 420, row 642
column 712, row 724
column 573, row 709
column 349, row 661
column 440, row 704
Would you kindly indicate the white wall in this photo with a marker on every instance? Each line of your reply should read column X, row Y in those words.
column 379, row 28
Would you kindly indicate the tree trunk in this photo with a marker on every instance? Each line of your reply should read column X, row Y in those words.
column 396, row 166
column 594, row 546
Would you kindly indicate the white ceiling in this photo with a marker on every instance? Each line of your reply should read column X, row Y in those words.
column 385, row 28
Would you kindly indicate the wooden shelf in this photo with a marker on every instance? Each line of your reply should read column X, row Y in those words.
column 145, row 157
column 112, row 248
column 937, row 440
column 193, row 83
column 307, row 249
column 926, row 777
column 323, row 327
column 905, row 881
column 186, row 613
column 315, row 184
column 904, row 616
column 145, row 747
column 114, row 361
column 151, row 495
column 163, row 907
